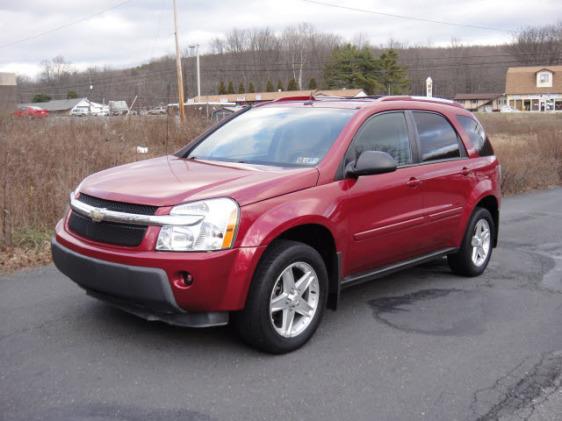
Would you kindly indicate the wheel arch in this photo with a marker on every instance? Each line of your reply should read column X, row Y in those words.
column 490, row 203
column 320, row 238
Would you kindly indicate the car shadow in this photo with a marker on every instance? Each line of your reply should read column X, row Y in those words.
column 155, row 334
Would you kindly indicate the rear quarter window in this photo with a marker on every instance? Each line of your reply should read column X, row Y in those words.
column 476, row 134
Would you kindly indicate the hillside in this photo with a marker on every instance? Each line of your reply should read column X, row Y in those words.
column 258, row 56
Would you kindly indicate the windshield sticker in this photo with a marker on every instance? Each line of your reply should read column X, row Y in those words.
column 307, row 160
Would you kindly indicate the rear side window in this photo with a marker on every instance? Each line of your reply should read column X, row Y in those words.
column 438, row 139
column 385, row 133
column 476, row 134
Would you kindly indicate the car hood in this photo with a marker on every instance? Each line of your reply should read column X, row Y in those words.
column 169, row 180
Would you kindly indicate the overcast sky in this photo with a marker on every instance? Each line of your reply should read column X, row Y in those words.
column 134, row 31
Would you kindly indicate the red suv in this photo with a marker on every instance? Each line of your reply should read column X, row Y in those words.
column 268, row 215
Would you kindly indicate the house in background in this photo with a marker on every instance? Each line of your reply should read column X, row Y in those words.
column 62, row 106
column 75, row 107
column 481, row 102
column 8, row 87
column 252, row 98
column 534, row 88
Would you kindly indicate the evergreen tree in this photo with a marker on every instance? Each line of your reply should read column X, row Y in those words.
column 222, row 88
column 251, row 88
column 241, row 89
column 269, row 87
column 230, row 89
column 41, row 98
column 393, row 76
column 352, row 67
column 312, row 84
column 279, row 85
column 292, row 85
column 71, row 95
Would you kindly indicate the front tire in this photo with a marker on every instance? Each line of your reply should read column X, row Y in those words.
column 476, row 249
column 287, row 298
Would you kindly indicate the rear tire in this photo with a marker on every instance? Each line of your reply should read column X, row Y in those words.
column 476, row 249
column 286, row 300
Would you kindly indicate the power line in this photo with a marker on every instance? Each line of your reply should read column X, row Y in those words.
column 413, row 65
column 66, row 25
column 419, row 19
column 129, row 80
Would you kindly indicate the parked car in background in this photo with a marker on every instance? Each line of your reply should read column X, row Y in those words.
column 157, row 110
column 508, row 109
column 102, row 111
column 268, row 215
column 80, row 111
column 31, row 112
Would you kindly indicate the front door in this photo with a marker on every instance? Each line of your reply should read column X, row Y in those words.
column 386, row 210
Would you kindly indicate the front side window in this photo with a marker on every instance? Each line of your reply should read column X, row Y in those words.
column 385, row 133
column 438, row 139
column 278, row 136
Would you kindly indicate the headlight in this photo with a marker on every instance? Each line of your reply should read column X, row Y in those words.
column 214, row 231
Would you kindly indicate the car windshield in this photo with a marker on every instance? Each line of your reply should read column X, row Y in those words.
column 278, row 136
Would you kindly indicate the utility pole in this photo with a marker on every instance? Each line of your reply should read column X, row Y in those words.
column 181, row 98
column 196, row 47
column 198, row 74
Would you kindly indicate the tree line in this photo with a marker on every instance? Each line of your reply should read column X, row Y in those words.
column 301, row 57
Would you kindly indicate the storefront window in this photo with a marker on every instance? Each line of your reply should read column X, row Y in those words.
column 535, row 105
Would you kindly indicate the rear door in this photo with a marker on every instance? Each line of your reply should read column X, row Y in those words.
column 385, row 210
column 447, row 179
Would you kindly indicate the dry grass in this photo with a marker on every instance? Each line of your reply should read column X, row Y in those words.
column 529, row 147
column 42, row 161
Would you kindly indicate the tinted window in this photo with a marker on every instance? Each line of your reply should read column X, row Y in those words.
column 386, row 133
column 438, row 139
column 476, row 135
column 291, row 136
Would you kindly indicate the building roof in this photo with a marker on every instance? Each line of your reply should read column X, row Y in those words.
column 57, row 104
column 522, row 80
column 271, row 96
column 483, row 96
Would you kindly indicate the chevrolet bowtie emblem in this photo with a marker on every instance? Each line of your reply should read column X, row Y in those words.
column 97, row 215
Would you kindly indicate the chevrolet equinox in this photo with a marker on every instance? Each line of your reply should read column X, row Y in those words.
column 268, row 215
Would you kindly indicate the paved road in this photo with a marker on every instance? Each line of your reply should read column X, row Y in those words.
column 422, row 344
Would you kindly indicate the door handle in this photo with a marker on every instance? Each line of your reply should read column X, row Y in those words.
column 413, row 182
column 465, row 171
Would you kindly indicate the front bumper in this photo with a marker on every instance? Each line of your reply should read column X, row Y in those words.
column 142, row 291
column 221, row 279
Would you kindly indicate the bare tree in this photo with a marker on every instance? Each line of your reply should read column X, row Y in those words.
column 539, row 45
column 55, row 70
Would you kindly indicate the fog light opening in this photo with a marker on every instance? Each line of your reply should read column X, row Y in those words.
column 186, row 278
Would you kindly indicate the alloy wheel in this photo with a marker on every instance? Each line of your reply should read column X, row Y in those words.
column 294, row 299
column 481, row 242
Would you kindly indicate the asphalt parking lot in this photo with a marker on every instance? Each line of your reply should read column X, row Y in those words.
column 422, row 344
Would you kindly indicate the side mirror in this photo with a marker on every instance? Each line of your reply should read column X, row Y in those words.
column 371, row 162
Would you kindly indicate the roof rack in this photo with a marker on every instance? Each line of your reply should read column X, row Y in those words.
column 321, row 97
column 421, row 98
column 295, row 98
column 318, row 96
